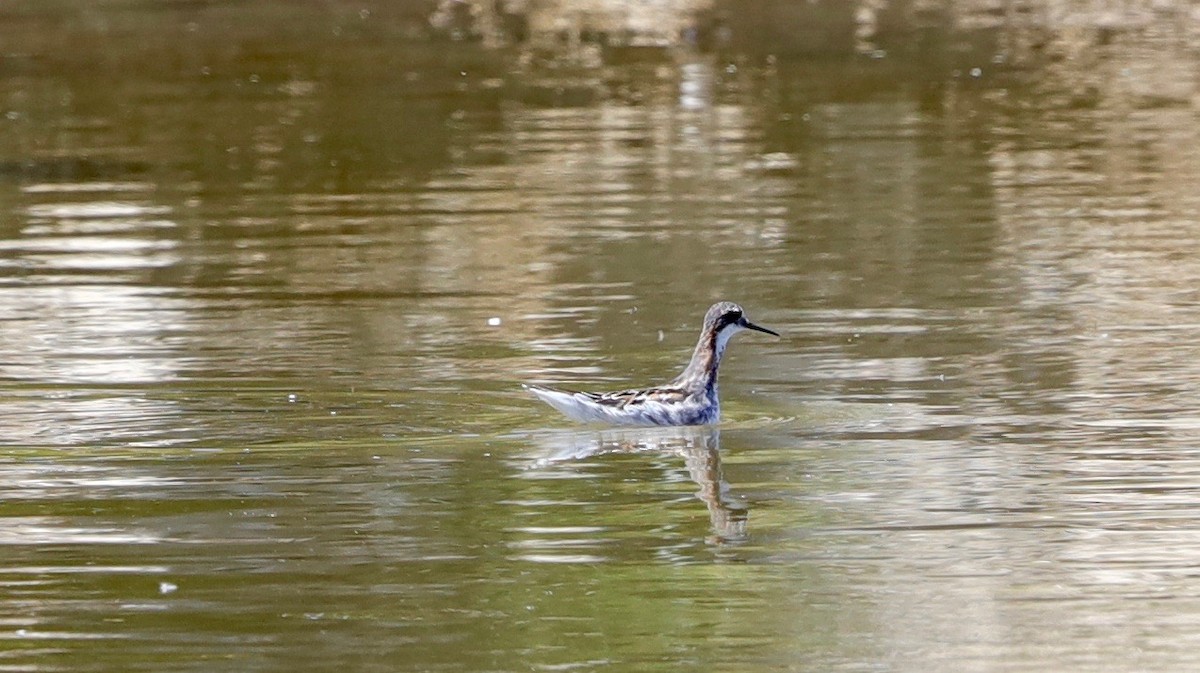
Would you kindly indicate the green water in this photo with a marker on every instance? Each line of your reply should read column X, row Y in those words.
column 271, row 277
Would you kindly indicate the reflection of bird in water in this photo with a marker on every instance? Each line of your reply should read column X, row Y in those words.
column 704, row 466
column 689, row 399
column 701, row 452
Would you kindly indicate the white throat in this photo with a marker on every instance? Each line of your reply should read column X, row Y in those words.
column 724, row 336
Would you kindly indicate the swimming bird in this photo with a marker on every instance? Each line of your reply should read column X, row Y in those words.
column 688, row 399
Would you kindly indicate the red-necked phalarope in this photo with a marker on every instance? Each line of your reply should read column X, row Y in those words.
column 689, row 399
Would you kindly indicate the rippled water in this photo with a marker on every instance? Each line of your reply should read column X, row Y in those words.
column 265, row 312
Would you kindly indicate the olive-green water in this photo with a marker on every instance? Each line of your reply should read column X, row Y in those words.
column 271, row 276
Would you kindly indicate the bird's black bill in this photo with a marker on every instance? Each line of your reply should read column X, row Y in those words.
column 758, row 328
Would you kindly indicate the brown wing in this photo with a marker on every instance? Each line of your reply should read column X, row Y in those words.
column 624, row 398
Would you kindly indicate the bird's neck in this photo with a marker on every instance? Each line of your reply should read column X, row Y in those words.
column 701, row 373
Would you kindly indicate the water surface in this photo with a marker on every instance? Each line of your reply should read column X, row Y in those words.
column 266, row 303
